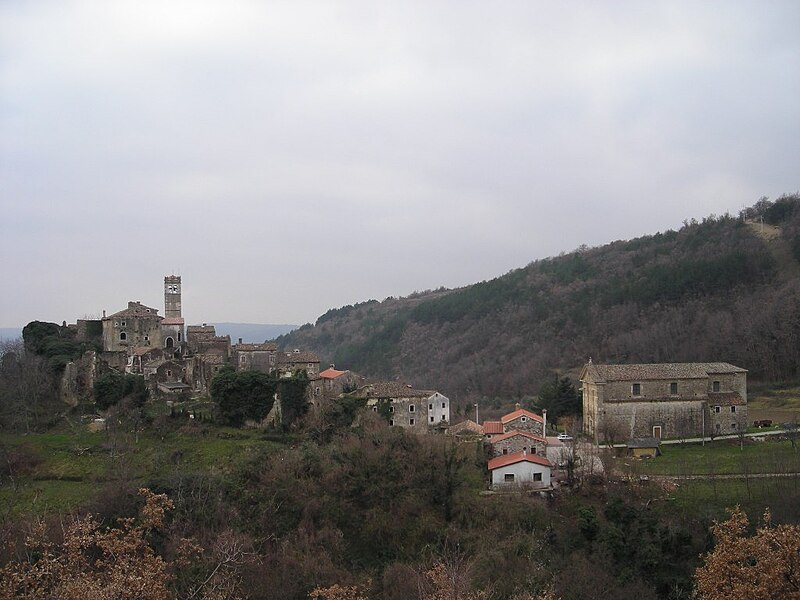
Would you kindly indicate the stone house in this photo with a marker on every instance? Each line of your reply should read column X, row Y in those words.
column 419, row 410
column 290, row 362
column 203, row 339
column 518, row 441
column 255, row 357
column 336, row 382
column 135, row 326
column 521, row 469
column 667, row 400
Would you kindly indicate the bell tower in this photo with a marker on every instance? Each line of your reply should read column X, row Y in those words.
column 172, row 297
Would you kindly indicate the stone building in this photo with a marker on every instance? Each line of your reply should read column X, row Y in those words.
column 519, row 441
column 291, row 362
column 415, row 409
column 668, row 400
column 255, row 357
column 137, row 325
column 335, row 382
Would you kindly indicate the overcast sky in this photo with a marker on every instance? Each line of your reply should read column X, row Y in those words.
column 289, row 157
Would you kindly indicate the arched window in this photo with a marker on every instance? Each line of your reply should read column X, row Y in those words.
column 123, row 336
column 169, row 342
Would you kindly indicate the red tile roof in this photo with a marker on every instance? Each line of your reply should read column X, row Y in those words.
column 510, row 459
column 172, row 321
column 521, row 413
column 492, row 427
column 511, row 434
column 331, row 373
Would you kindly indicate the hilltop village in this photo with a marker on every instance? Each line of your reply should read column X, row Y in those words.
column 636, row 404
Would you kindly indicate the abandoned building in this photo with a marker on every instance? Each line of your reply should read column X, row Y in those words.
column 667, row 400
column 419, row 410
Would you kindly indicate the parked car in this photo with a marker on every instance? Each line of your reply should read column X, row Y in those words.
column 564, row 437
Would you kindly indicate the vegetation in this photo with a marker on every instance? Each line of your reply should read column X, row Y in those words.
column 714, row 290
column 113, row 386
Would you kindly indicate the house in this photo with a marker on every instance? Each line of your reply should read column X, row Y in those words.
column 643, row 447
column 523, row 420
column 291, row 362
column 255, row 357
column 335, row 382
column 518, row 441
column 665, row 400
column 521, row 469
column 406, row 406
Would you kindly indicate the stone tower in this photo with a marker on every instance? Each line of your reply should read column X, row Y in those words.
column 172, row 297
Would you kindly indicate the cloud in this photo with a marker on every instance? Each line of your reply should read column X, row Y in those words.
column 289, row 157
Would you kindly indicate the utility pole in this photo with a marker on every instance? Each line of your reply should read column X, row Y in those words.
column 476, row 414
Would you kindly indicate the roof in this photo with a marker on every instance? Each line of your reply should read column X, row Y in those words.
column 510, row 459
column 391, row 389
column 172, row 321
column 640, row 372
column 331, row 373
column 492, row 427
column 135, row 309
column 265, row 347
column 726, row 399
column 142, row 350
column 297, row 357
column 511, row 434
column 465, row 427
column 201, row 329
column 521, row 412
column 649, row 442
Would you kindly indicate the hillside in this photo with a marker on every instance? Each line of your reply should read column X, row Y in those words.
column 722, row 289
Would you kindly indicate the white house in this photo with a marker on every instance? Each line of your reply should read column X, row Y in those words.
column 522, row 469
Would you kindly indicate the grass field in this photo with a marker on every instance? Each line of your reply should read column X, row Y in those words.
column 720, row 457
column 779, row 405
column 61, row 471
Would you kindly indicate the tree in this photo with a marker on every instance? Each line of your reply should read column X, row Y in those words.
column 247, row 395
column 113, row 386
column 559, row 397
column 28, row 398
column 765, row 565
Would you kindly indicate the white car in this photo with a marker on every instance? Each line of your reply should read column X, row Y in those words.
column 564, row 437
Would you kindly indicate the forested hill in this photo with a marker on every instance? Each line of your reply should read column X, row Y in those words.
column 719, row 290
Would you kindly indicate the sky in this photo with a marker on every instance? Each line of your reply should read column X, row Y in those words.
column 286, row 158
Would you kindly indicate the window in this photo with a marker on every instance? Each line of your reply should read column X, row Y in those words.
column 147, row 338
column 374, row 409
column 636, row 389
column 523, row 419
column 122, row 323
column 316, row 391
column 169, row 373
column 411, row 421
column 430, row 406
column 391, row 409
column 657, row 431
column 733, row 425
column 179, row 336
column 673, row 388
column 123, row 336
column 391, row 422
column 508, row 477
column 505, row 450
column 411, row 408
column 716, row 409
column 733, row 409
column 442, row 404
column 442, row 418
column 537, row 476
column 715, row 386
column 431, row 419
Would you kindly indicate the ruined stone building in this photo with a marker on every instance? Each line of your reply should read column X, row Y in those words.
column 666, row 400
column 418, row 410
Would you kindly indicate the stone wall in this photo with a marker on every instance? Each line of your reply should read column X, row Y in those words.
column 518, row 443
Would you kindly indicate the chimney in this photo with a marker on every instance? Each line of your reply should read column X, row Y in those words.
column 333, row 366
column 544, row 425
column 517, row 406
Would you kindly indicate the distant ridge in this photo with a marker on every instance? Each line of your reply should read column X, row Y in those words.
column 10, row 333
column 253, row 332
